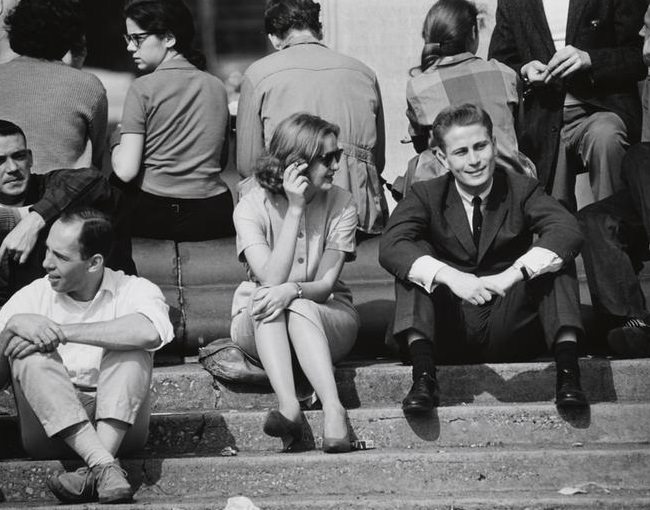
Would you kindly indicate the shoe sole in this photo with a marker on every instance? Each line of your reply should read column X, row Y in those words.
column 116, row 498
column 417, row 410
column 572, row 403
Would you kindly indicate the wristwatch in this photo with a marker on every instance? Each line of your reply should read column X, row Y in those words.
column 519, row 266
column 298, row 290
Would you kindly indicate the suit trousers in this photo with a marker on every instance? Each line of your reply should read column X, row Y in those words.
column 616, row 240
column 596, row 141
column 122, row 394
column 517, row 327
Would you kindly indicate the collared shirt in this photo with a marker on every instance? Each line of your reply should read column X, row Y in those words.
column 118, row 295
column 329, row 222
column 466, row 78
column 183, row 113
column 536, row 261
column 306, row 76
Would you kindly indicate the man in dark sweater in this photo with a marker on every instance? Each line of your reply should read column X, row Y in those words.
column 29, row 204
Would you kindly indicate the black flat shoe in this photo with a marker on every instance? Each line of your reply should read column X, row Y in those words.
column 568, row 391
column 278, row 425
column 423, row 396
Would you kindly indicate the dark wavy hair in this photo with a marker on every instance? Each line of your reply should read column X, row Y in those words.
column 448, row 26
column 462, row 115
column 167, row 17
column 281, row 16
column 97, row 234
column 298, row 137
column 45, row 29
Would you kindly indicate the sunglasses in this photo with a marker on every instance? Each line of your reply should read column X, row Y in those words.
column 136, row 39
column 328, row 158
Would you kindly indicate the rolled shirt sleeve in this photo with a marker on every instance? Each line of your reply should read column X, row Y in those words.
column 341, row 235
column 147, row 299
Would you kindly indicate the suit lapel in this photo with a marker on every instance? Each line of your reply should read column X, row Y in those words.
column 576, row 8
column 495, row 212
column 457, row 218
column 534, row 19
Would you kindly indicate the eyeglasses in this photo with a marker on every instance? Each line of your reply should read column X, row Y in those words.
column 329, row 157
column 136, row 39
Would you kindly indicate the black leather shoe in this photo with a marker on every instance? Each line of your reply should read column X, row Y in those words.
column 630, row 341
column 568, row 391
column 423, row 396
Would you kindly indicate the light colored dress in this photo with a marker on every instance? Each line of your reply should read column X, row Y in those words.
column 328, row 222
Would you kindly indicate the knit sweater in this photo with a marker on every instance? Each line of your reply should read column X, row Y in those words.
column 63, row 112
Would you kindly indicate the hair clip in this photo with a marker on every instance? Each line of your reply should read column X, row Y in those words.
column 433, row 46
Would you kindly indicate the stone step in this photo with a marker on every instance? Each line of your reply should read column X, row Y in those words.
column 383, row 383
column 375, row 473
column 477, row 500
column 207, row 433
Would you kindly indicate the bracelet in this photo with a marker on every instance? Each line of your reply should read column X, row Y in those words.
column 298, row 290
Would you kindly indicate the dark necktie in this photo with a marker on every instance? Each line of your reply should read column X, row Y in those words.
column 477, row 219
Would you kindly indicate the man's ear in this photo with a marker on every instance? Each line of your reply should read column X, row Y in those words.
column 440, row 154
column 30, row 159
column 277, row 43
column 95, row 263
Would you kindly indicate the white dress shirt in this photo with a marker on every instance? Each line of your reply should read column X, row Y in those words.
column 536, row 261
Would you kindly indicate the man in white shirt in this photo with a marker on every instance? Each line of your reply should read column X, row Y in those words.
column 472, row 285
column 78, row 345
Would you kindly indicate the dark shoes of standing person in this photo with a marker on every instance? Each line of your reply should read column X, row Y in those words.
column 106, row 483
column 631, row 340
column 278, row 425
column 569, row 393
column 423, row 396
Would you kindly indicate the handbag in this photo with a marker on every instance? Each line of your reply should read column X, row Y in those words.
column 229, row 363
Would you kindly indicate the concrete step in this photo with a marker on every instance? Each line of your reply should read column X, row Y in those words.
column 207, row 433
column 478, row 500
column 389, row 473
column 383, row 383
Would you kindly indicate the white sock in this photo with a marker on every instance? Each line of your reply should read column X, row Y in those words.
column 84, row 440
column 111, row 433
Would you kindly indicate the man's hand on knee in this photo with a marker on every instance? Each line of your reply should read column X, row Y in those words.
column 501, row 283
column 19, row 348
column 19, row 243
column 44, row 333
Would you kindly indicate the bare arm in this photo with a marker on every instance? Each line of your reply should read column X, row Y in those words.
column 5, row 370
column 272, row 267
column 127, row 333
column 127, row 156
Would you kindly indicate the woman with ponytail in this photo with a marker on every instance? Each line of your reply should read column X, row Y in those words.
column 295, row 230
column 450, row 73
column 174, row 131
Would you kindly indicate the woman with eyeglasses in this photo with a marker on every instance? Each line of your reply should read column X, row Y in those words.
column 295, row 230
column 174, row 130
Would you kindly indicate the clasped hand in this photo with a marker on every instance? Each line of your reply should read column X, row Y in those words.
column 564, row 63
column 32, row 333
column 270, row 302
column 474, row 289
column 19, row 243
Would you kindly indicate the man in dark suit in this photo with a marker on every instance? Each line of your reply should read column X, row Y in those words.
column 472, row 285
column 580, row 61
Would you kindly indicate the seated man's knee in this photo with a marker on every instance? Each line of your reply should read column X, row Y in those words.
column 607, row 130
column 36, row 363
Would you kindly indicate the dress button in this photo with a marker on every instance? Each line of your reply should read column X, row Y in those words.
column 300, row 260
column 300, row 235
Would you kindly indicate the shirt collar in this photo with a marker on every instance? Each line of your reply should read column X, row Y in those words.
column 451, row 60
column 467, row 198
column 301, row 39
column 177, row 62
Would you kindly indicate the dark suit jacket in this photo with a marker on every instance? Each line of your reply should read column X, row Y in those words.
column 431, row 220
column 607, row 30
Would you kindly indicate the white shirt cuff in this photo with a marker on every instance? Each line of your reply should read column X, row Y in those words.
column 538, row 261
column 423, row 272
